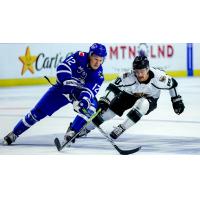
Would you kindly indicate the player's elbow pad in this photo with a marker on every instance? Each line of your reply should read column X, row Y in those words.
column 61, row 78
column 174, row 83
column 112, row 90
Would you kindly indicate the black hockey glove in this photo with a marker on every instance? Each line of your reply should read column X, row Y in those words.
column 178, row 104
column 104, row 103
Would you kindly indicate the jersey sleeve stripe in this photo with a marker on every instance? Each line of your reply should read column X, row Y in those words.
column 63, row 64
column 89, row 92
column 64, row 71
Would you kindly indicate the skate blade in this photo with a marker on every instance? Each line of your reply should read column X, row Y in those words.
column 4, row 143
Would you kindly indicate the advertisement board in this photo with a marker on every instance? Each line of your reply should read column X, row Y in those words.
column 26, row 62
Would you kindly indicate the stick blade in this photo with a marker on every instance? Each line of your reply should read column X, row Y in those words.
column 57, row 144
column 127, row 152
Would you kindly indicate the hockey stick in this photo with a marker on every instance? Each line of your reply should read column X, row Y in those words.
column 121, row 151
column 60, row 146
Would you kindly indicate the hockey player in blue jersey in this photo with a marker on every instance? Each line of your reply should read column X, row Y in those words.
column 79, row 78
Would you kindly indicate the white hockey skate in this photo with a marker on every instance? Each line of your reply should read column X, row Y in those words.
column 117, row 131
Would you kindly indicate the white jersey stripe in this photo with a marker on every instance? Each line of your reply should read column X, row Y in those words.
column 64, row 71
column 63, row 64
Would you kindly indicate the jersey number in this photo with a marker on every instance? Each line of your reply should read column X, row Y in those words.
column 96, row 88
column 70, row 61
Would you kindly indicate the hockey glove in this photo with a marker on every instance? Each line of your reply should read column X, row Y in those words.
column 103, row 104
column 178, row 104
column 82, row 106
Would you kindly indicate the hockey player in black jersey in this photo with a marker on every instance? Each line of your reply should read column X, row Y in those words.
column 138, row 92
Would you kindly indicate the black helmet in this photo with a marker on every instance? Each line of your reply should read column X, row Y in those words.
column 140, row 62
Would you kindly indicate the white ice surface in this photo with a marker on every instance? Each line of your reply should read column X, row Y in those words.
column 160, row 132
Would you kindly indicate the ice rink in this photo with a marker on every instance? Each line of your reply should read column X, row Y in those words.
column 161, row 132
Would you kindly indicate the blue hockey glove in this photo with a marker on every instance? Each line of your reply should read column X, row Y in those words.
column 178, row 104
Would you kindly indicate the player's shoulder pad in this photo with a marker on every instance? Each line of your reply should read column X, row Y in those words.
column 127, row 74
column 159, row 74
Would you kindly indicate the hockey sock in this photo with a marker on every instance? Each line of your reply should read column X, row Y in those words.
column 29, row 120
column 78, row 123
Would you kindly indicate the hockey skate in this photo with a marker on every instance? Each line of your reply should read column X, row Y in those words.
column 69, row 135
column 9, row 139
column 117, row 131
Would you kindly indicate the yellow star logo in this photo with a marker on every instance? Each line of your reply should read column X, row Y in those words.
column 27, row 61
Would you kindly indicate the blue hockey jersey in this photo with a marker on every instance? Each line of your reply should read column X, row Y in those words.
column 76, row 68
column 77, row 80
